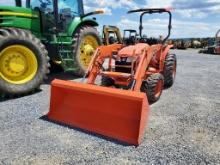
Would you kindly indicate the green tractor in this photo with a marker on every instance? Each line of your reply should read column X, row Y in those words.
column 39, row 32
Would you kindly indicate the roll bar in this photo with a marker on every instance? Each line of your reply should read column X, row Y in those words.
column 152, row 11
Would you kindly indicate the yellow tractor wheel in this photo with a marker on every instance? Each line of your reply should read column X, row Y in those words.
column 18, row 64
column 23, row 62
column 86, row 40
column 87, row 49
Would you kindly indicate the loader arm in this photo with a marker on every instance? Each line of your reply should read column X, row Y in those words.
column 102, row 53
column 142, row 67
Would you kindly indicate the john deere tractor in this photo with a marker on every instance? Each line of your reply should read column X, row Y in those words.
column 42, row 31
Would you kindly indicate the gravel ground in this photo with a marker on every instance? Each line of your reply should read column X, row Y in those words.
column 184, row 125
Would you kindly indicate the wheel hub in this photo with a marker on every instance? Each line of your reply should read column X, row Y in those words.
column 18, row 64
column 89, row 50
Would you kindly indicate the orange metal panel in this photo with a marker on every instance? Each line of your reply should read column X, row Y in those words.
column 134, row 50
column 115, row 113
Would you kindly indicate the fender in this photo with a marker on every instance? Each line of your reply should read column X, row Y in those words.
column 163, row 56
column 78, row 22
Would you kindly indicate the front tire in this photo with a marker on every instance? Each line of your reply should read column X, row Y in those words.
column 153, row 87
column 23, row 62
column 85, row 42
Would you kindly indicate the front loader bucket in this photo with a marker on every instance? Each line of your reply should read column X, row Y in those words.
column 114, row 113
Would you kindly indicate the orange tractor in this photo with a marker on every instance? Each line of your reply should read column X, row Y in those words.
column 131, row 77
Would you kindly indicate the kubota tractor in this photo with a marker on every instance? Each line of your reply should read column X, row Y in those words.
column 131, row 76
column 39, row 30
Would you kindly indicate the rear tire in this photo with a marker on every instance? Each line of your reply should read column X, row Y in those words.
column 153, row 87
column 80, row 66
column 169, row 73
column 17, row 40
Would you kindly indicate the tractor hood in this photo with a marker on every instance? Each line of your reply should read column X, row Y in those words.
column 18, row 17
column 17, row 12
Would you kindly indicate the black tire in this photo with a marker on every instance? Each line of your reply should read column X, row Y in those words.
column 169, row 73
column 107, row 81
column 150, row 87
column 77, row 40
column 13, row 36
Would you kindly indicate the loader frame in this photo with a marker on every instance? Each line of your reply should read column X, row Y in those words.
column 134, row 79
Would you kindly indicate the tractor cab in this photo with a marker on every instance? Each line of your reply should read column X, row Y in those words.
column 56, row 15
column 59, row 15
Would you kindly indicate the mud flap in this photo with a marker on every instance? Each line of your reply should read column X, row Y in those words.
column 115, row 113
